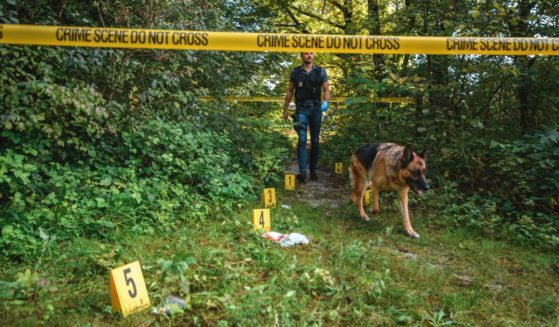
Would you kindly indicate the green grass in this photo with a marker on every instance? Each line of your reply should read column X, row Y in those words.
column 352, row 273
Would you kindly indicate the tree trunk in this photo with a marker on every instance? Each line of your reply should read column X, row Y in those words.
column 527, row 106
column 374, row 29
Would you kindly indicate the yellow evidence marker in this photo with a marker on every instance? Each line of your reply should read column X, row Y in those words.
column 289, row 182
column 128, row 289
column 339, row 168
column 261, row 219
column 368, row 197
column 269, row 197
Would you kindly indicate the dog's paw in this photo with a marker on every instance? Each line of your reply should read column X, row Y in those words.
column 365, row 218
column 412, row 234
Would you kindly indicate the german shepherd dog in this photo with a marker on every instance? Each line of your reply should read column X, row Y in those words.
column 387, row 167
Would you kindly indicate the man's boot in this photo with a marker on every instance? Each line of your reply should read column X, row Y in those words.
column 314, row 176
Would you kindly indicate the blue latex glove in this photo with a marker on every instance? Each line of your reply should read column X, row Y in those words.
column 324, row 106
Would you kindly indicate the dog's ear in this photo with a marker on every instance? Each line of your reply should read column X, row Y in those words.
column 423, row 153
column 407, row 157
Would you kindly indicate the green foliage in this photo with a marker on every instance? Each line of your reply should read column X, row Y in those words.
column 519, row 188
column 158, row 171
column 352, row 273
column 29, row 288
column 177, row 273
column 95, row 140
column 526, row 172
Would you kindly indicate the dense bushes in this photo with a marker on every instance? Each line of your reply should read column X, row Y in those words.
column 89, row 181
column 96, row 140
column 164, row 172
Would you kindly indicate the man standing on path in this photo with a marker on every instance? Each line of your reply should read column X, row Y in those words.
column 307, row 81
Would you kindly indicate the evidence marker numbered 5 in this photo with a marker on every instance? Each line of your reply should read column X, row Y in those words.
column 128, row 289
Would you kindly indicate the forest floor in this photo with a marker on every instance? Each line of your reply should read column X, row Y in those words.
column 352, row 273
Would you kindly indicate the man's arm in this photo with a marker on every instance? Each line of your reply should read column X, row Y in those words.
column 325, row 86
column 326, row 89
column 288, row 97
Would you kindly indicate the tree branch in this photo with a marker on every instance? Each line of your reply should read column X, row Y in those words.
column 479, row 112
column 337, row 5
column 306, row 13
column 295, row 21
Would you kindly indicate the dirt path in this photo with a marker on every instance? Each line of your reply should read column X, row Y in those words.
column 327, row 191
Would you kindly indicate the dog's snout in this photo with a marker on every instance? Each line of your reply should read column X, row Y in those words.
column 425, row 184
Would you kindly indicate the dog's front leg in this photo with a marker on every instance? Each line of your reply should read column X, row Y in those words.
column 374, row 190
column 403, row 204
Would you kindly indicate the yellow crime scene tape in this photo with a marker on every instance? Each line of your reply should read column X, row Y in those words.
column 238, row 41
column 281, row 99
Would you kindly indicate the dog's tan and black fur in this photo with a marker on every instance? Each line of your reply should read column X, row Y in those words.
column 387, row 167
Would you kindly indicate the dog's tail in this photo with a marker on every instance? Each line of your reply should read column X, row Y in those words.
column 352, row 173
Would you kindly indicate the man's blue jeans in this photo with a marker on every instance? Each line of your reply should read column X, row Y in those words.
column 308, row 117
